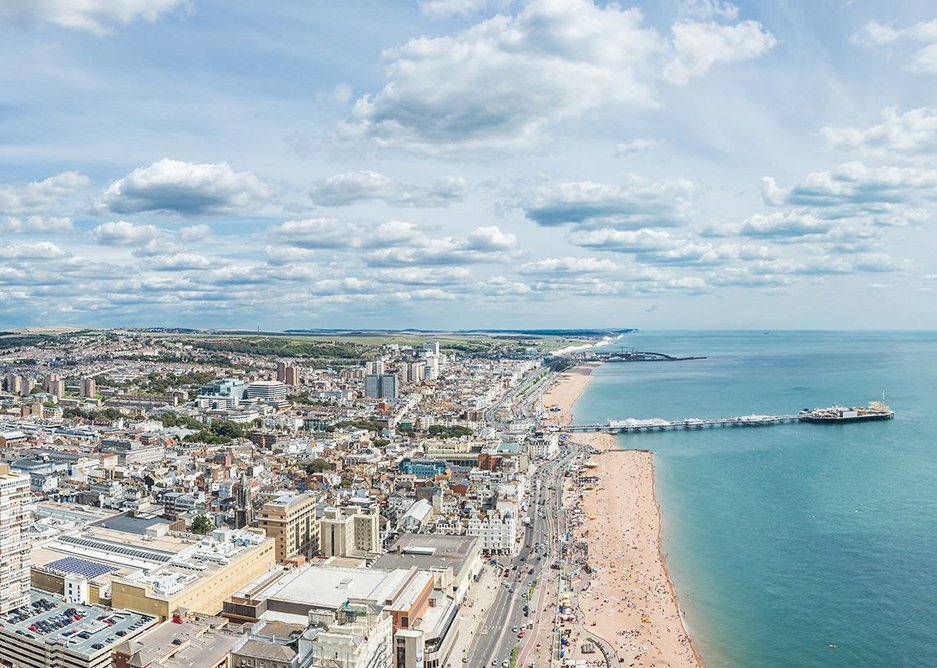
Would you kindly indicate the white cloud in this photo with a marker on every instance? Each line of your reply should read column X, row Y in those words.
column 333, row 233
column 635, row 203
column 912, row 132
column 633, row 147
column 500, row 286
column 568, row 265
column 194, row 232
column 286, row 255
column 858, row 186
column 707, row 9
column 501, row 82
column 179, row 262
column 925, row 60
column 410, row 276
column 490, row 239
column 699, row 46
column 37, row 224
column 875, row 33
column 365, row 186
column 778, row 225
column 42, row 250
column 655, row 247
column 440, row 9
column 484, row 244
column 40, row 196
column 157, row 248
column 642, row 240
column 122, row 233
column 920, row 37
column 97, row 16
column 185, row 188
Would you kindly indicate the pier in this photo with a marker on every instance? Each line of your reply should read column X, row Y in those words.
column 632, row 426
column 629, row 356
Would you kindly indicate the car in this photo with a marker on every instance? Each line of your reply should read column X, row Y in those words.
column 521, row 634
column 514, row 630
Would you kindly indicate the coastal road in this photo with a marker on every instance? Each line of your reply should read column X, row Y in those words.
column 497, row 636
column 531, row 382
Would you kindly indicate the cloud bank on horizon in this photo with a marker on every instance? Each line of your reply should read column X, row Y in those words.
column 467, row 163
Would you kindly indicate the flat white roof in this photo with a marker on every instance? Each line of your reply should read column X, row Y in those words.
column 326, row 587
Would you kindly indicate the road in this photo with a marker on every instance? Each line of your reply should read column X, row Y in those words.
column 529, row 386
column 497, row 636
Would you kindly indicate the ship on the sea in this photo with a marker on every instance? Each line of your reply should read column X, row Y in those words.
column 876, row 410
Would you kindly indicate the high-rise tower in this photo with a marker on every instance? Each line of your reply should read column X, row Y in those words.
column 15, row 518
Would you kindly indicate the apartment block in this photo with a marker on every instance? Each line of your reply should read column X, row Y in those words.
column 15, row 520
column 291, row 520
column 350, row 531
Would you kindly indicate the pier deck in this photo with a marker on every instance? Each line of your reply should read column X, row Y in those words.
column 688, row 424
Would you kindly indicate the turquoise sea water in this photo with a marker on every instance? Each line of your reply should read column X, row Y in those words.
column 786, row 541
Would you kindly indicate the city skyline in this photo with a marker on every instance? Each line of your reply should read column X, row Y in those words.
column 455, row 164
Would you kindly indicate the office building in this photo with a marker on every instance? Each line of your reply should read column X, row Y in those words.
column 384, row 386
column 15, row 520
column 88, row 388
column 374, row 368
column 290, row 519
column 224, row 387
column 350, row 531
column 130, row 451
column 423, row 468
column 273, row 391
column 281, row 372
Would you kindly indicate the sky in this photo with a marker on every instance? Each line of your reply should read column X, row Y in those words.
column 447, row 164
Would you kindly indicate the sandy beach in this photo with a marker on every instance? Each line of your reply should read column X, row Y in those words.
column 628, row 600
column 565, row 392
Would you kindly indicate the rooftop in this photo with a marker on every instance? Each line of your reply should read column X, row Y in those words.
column 428, row 551
column 171, row 562
column 326, row 587
column 191, row 644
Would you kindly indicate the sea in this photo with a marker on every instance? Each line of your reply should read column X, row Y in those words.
column 797, row 545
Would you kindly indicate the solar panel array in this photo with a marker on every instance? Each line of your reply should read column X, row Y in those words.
column 89, row 569
column 147, row 555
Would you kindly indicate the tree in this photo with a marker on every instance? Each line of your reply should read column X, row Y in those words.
column 201, row 525
column 318, row 465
